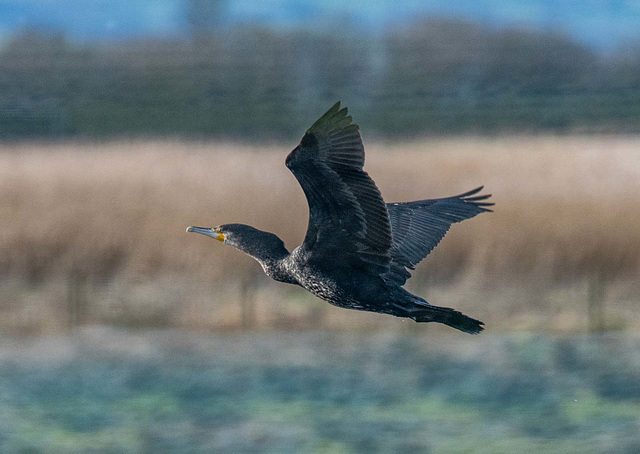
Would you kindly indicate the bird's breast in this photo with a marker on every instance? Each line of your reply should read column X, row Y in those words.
column 338, row 286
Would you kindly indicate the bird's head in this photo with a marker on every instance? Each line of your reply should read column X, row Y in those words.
column 222, row 233
column 260, row 245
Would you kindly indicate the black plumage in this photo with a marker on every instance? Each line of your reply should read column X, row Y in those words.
column 358, row 251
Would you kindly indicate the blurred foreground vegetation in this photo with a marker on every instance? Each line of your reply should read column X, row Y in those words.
column 112, row 391
column 436, row 76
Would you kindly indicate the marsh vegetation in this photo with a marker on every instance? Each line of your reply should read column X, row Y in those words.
column 97, row 233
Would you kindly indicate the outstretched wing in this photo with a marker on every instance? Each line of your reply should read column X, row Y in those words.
column 418, row 227
column 348, row 220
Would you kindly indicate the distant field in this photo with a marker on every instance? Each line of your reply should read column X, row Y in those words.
column 102, row 227
column 319, row 392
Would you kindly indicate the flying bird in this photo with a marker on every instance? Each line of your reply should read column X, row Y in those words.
column 358, row 251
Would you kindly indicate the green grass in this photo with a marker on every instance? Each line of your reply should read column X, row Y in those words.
column 113, row 391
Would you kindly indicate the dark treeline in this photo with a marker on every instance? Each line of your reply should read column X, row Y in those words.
column 436, row 77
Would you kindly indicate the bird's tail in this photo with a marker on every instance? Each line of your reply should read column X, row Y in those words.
column 423, row 312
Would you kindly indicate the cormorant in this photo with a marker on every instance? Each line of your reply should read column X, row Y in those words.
column 358, row 251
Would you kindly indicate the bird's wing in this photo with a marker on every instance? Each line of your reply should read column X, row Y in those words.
column 417, row 227
column 348, row 219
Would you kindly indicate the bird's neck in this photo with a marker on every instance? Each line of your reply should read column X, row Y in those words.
column 267, row 253
column 270, row 252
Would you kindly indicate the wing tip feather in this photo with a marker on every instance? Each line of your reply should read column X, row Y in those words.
column 336, row 117
column 477, row 200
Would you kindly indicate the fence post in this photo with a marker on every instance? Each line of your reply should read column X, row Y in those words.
column 595, row 302
column 248, row 287
column 76, row 299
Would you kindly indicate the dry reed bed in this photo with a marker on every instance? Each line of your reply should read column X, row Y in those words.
column 563, row 205
column 566, row 207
